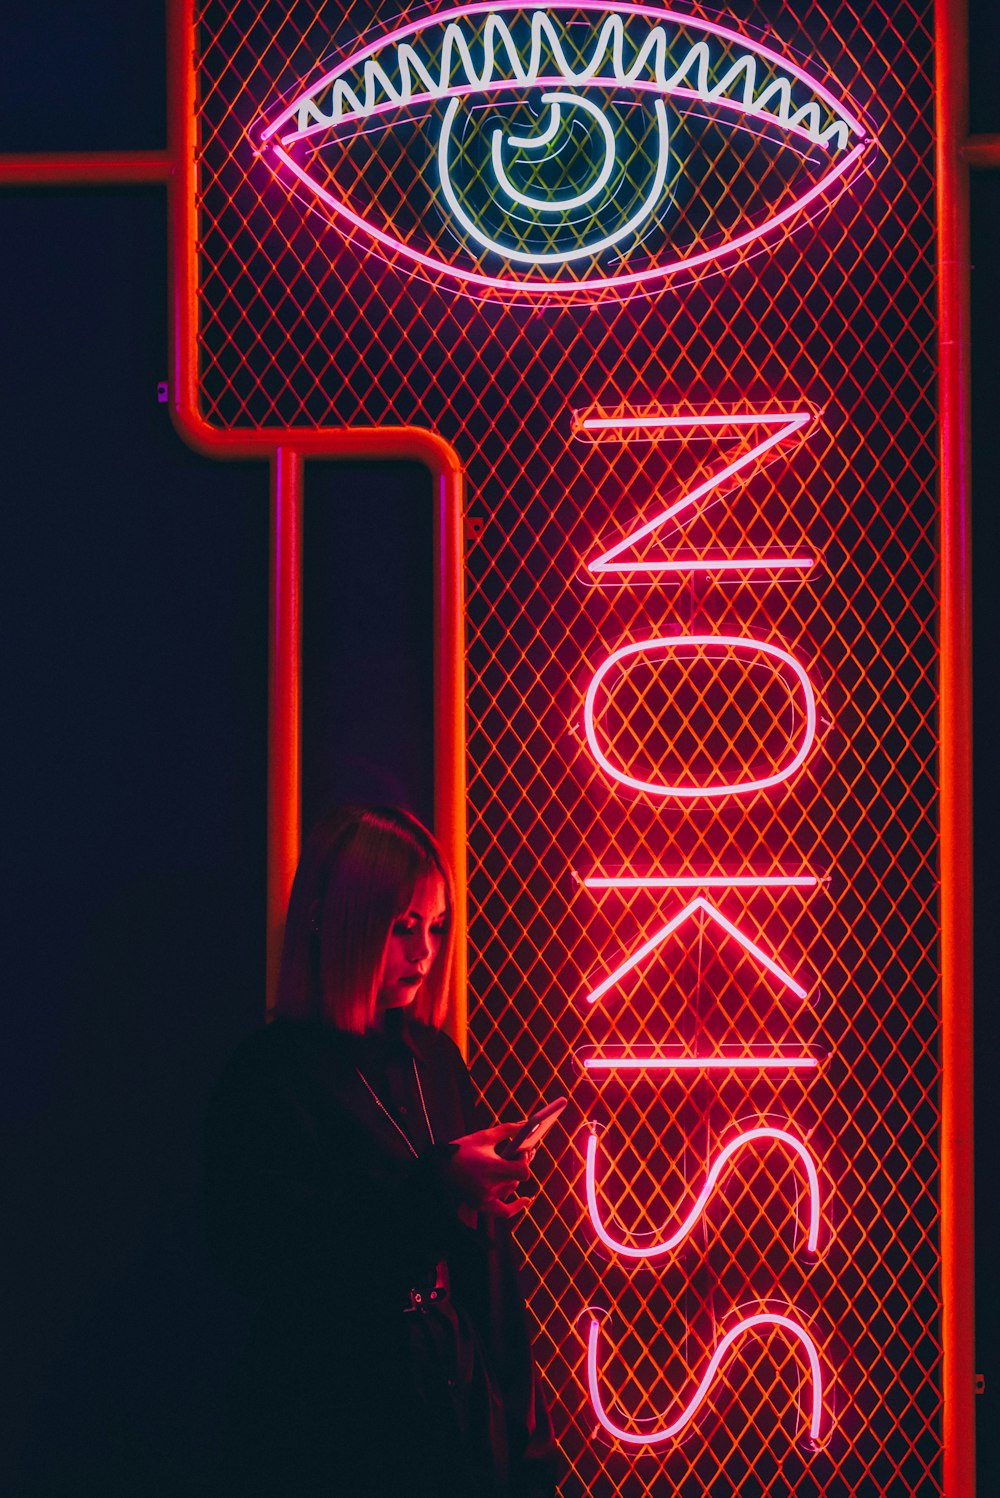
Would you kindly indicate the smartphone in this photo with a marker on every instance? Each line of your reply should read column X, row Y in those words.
column 528, row 1134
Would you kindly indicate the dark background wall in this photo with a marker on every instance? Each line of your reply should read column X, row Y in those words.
column 134, row 645
column 134, row 601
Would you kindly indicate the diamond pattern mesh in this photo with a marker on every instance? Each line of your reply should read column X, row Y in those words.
column 302, row 325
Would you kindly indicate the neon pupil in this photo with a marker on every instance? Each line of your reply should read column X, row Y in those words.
column 563, row 167
column 550, row 176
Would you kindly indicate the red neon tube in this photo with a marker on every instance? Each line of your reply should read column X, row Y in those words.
column 672, row 1241
column 737, row 644
column 697, row 904
column 668, row 1432
column 717, row 564
column 701, row 881
column 607, row 1062
column 788, row 424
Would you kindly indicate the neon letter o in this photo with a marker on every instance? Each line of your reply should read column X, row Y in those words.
column 737, row 645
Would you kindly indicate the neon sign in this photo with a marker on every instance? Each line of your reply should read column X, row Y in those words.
column 621, row 1061
column 615, row 745
column 700, row 881
column 727, row 648
column 673, row 1240
column 676, row 1427
column 778, row 427
column 565, row 145
column 696, row 906
column 549, row 210
column 355, row 211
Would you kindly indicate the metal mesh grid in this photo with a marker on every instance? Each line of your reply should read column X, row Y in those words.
column 302, row 325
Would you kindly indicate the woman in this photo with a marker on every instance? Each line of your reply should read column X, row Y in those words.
column 353, row 1197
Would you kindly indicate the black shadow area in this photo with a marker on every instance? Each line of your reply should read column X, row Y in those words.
column 134, row 627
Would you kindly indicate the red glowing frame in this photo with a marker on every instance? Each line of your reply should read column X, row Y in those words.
column 693, row 908
column 787, row 424
column 830, row 181
column 735, row 643
column 675, row 1428
column 667, row 1245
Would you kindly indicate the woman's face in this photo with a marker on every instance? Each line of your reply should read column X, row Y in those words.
column 414, row 942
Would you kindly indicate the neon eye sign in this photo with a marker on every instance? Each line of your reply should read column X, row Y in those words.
column 564, row 148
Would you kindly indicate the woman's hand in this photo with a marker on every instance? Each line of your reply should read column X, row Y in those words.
column 485, row 1179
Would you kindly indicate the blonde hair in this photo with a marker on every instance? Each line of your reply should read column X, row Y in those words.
column 357, row 872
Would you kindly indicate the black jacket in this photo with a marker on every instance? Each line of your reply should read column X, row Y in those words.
column 332, row 1211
